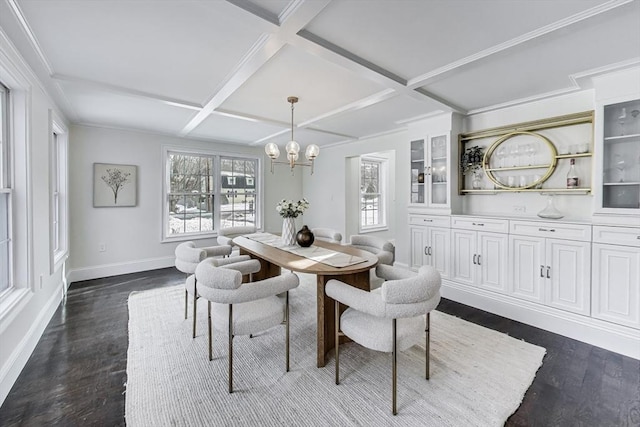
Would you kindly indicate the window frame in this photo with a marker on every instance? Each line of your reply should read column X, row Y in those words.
column 217, row 191
column 59, row 212
column 5, row 180
column 383, row 173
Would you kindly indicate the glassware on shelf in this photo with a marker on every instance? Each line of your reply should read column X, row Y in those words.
column 476, row 180
column 501, row 155
column 550, row 211
column 620, row 164
column 514, row 152
column 621, row 120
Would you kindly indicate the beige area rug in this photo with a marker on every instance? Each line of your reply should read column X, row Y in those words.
column 478, row 376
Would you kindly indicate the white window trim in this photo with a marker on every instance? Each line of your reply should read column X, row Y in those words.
column 21, row 221
column 383, row 191
column 59, row 256
column 166, row 149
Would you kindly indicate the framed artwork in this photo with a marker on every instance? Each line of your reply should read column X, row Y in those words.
column 114, row 185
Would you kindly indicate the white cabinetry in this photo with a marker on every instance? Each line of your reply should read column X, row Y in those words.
column 480, row 252
column 550, row 263
column 616, row 275
column 430, row 242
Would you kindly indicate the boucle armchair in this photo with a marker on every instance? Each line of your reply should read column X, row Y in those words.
column 226, row 235
column 390, row 319
column 244, row 308
column 327, row 234
column 187, row 259
column 383, row 249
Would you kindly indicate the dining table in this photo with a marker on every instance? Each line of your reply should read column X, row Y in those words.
column 273, row 259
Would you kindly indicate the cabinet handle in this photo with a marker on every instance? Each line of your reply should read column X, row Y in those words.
column 479, row 224
column 425, row 251
column 638, row 237
column 548, row 272
column 427, row 220
column 542, row 229
column 542, row 271
column 429, row 250
column 552, row 230
column 479, row 259
column 474, row 259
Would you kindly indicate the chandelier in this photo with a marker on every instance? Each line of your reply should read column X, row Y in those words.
column 292, row 148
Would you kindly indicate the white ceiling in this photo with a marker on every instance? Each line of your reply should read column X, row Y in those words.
column 222, row 70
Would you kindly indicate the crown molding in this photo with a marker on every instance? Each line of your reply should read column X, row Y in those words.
column 30, row 35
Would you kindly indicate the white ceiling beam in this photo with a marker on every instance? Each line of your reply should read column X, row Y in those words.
column 424, row 79
column 110, row 88
column 298, row 16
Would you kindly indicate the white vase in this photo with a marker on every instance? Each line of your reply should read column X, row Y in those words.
column 289, row 231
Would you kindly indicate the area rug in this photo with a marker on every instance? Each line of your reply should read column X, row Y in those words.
column 478, row 376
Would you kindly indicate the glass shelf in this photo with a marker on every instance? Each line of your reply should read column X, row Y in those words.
column 622, row 137
column 620, row 183
column 516, row 168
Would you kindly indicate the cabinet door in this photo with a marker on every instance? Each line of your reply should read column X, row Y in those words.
column 569, row 280
column 438, row 171
column 439, row 249
column 418, row 169
column 464, row 254
column 527, row 269
column 616, row 284
column 418, row 247
column 492, row 261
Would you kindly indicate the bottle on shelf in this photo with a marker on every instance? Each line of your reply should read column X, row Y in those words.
column 572, row 176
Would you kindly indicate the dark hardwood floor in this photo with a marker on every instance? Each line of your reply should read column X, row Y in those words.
column 77, row 372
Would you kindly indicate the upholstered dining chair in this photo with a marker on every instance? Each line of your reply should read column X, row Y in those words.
column 390, row 319
column 327, row 234
column 244, row 308
column 383, row 249
column 187, row 259
column 226, row 235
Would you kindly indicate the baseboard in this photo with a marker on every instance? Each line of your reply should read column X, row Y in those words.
column 620, row 339
column 22, row 352
column 108, row 270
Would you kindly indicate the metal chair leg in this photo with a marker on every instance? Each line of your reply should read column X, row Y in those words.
column 286, row 319
column 186, row 303
column 394, row 374
column 336, row 305
column 230, row 348
column 210, row 334
column 427, row 344
column 195, row 303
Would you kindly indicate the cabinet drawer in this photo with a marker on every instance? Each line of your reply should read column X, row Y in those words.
column 430, row 220
column 480, row 224
column 627, row 236
column 552, row 229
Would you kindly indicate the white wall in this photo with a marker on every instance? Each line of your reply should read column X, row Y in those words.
column 132, row 235
column 326, row 189
column 24, row 318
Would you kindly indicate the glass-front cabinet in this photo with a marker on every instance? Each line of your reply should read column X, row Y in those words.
column 430, row 171
column 621, row 156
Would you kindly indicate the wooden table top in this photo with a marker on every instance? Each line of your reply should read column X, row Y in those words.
column 300, row 264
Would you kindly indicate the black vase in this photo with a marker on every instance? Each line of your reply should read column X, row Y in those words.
column 305, row 237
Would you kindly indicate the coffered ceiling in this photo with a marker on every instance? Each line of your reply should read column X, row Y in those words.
column 222, row 70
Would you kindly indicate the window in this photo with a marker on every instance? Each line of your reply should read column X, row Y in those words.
column 238, row 201
column 372, row 194
column 5, row 193
column 58, row 232
column 207, row 191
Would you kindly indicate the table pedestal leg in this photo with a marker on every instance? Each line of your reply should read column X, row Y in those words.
column 326, row 315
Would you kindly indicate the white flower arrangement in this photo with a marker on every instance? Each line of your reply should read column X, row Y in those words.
column 290, row 209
